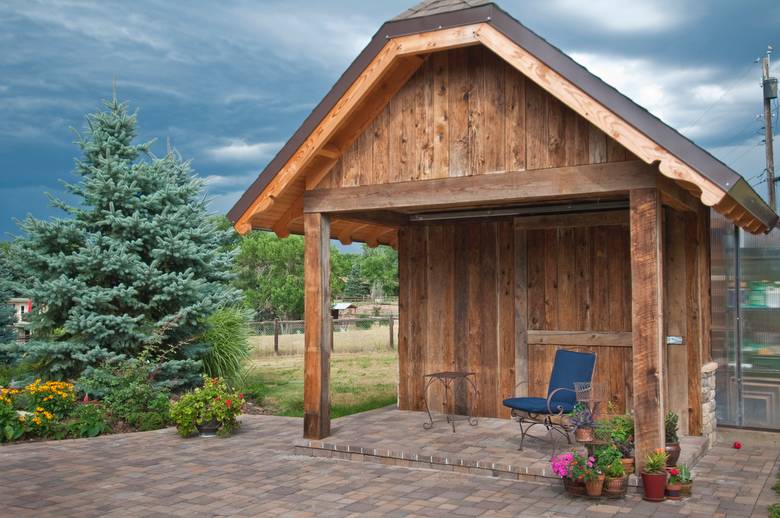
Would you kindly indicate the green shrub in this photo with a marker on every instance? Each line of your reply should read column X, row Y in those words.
column 214, row 401
column 227, row 336
column 11, row 424
column 129, row 394
column 90, row 420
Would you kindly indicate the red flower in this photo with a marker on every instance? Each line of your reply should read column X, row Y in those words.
column 86, row 398
column 228, row 403
column 241, row 396
column 737, row 445
column 674, row 472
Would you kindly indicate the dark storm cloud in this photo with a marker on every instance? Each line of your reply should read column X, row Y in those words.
column 229, row 82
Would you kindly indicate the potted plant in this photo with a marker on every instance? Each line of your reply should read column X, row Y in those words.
column 608, row 462
column 582, row 419
column 672, row 441
column 673, row 484
column 594, row 479
column 686, row 480
column 212, row 409
column 562, row 466
column 622, row 435
column 654, row 476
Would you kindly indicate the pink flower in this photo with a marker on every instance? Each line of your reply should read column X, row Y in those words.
column 86, row 398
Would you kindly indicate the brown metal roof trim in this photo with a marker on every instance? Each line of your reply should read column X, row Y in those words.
column 693, row 155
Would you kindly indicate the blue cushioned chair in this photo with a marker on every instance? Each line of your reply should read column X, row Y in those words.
column 569, row 368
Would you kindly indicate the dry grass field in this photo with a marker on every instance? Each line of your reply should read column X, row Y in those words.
column 375, row 339
column 360, row 381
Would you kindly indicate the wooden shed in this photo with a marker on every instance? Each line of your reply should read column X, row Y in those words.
column 533, row 207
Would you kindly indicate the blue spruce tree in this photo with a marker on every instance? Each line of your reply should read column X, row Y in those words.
column 7, row 313
column 135, row 269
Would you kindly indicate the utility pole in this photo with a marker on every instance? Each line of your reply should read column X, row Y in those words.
column 770, row 92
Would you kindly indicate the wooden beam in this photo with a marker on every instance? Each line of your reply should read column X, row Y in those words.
column 317, row 330
column 345, row 235
column 383, row 218
column 282, row 226
column 580, row 338
column 647, row 321
column 588, row 219
column 521, row 310
column 330, row 151
column 603, row 180
column 693, row 326
column 315, row 175
column 704, row 287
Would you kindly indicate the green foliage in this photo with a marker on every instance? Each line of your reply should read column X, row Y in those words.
column 227, row 335
column 136, row 267
column 607, row 455
column 90, row 420
column 7, row 316
column 214, row 401
column 129, row 394
column 356, row 286
column 655, row 462
column 685, row 473
column 379, row 269
column 614, row 469
column 11, row 426
column 671, row 427
column 269, row 271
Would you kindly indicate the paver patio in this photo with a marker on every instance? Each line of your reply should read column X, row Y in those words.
column 491, row 448
column 255, row 474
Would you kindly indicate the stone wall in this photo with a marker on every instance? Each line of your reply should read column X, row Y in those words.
column 709, row 421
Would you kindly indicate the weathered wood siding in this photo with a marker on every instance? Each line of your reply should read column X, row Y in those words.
column 456, row 311
column 579, row 279
column 469, row 292
column 466, row 112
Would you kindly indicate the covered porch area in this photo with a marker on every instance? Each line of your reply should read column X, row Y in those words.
column 498, row 272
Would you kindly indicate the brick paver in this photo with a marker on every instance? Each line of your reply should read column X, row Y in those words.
column 254, row 474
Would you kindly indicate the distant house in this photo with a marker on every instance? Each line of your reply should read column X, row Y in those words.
column 345, row 307
column 22, row 307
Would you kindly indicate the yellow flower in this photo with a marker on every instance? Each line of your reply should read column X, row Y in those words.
column 22, row 418
column 37, row 420
column 48, row 415
column 38, row 409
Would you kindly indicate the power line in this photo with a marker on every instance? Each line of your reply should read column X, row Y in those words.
column 725, row 92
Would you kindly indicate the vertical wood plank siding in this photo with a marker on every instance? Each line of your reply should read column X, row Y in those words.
column 466, row 112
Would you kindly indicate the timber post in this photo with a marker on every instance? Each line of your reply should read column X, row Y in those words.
column 647, row 321
column 317, row 326
column 392, row 339
column 276, row 336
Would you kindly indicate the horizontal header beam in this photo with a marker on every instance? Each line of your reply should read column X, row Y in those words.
column 560, row 183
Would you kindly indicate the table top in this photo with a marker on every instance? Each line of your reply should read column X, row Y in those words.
column 450, row 374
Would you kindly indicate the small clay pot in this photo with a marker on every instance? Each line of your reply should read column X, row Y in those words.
column 595, row 486
column 686, row 488
column 574, row 487
column 673, row 453
column 616, row 487
column 583, row 434
column 673, row 491
column 628, row 465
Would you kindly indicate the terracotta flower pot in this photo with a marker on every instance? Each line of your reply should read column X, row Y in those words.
column 616, row 487
column 574, row 487
column 628, row 465
column 654, row 486
column 673, row 491
column 583, row 434
column 686, row 488
column 673, row 453
column 594, row 486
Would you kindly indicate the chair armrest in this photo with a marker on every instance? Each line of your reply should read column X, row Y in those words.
column 550, row 399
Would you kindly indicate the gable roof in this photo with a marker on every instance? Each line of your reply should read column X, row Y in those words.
column 738, row 200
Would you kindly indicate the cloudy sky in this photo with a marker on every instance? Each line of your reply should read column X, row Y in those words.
column 229, row 82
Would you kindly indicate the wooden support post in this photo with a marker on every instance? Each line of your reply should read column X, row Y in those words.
column 693, row 316
column 647, row 321
column 276, row 336
column 317, row 326
column 392, row 338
